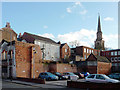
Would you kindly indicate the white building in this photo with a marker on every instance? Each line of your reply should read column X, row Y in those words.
column 50, row 49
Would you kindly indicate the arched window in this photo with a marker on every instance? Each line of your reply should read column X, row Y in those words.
column 4, row 55
column 11, row 54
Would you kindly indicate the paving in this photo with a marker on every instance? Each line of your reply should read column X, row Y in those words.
column 48, row 85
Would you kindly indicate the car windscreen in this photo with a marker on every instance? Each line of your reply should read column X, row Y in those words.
column 58, row 73
column 71, row 73
column 91, row 76
column 106, row 77
column 49, row 73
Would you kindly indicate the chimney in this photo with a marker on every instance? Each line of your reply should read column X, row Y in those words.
column 8, row 25
column 19, row 35
column 59, row 42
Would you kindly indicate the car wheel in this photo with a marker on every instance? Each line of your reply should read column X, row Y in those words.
column 60, row 78
column 68, row 77
column 39, row 77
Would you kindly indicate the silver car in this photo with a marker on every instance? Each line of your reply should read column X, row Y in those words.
column 100, row 78
column 71, row 75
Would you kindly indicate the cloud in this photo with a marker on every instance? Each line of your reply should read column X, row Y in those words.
column 45, row 26
column 111, row 40
column 78, row 3
column 85, row 37
column 76, row 8
column 68, row 10
column 48, row 35
column 83, row 12
column 108, row 19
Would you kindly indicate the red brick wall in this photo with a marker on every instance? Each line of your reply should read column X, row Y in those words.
column 79, row 51
column 104, row 68
column 63, row 53
column 101, row 68
column 29, row 64
column 22, row 69
column 7, row 33
column 24, row 59
column 52, row 67
column 92, row 69
column 66, row 68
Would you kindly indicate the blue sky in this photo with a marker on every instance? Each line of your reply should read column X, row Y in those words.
column 64, row 21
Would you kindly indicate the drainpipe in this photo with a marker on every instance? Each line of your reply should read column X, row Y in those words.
column 33, row 62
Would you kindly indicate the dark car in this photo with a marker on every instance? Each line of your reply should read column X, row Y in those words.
column 115, row 76
column 79, row 74
column 60, row 76
column 48, row 76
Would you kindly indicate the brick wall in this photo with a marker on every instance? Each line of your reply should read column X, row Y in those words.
column 80, row 51
column 63, row 53
column 104, row 68
column 24, row 56
column 29, row 62
column 95, row 66
column 23, row 69
column 101, row 68
column 66, row 68
column 92, row 69
column 7, row 33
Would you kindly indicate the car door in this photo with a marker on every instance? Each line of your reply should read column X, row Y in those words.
column 42, row 75
column 46, row 75
column 90, row 78
column 100, row 79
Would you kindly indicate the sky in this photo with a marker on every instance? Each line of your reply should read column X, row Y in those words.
column 64, row 21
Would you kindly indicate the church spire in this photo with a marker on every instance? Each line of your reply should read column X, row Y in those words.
column 99, row 25
column 99, row 43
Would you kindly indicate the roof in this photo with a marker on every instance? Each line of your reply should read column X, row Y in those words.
column 40, row 38
column 111, row 50
column 62, row 45
column 102, row 59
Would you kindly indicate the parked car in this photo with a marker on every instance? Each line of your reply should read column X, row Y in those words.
column 48, row 76
column 114, row 76
column 100, row 78
column 85, row 73
column 70, row 75
column 60, row 76
column 79, row 74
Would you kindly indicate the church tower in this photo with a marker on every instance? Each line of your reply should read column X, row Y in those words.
column 99, row 43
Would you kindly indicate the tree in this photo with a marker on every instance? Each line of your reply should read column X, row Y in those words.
column 74, row 43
